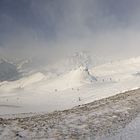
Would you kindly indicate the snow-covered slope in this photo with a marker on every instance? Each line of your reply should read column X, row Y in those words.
column 37, row 92
column 21, row 83
column 98, row 120
column 128, row 66
column 80, row 75
column 72, row 79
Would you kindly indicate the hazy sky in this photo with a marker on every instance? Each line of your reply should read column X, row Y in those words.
column 53, row 28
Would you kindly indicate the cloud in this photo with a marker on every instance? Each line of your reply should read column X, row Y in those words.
column 51, row 29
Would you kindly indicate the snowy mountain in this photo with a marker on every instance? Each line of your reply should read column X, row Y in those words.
column 71, row 79
column 48, row 91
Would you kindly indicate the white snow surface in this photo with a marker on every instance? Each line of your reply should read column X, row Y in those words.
column 39, row 92
column 130, row 132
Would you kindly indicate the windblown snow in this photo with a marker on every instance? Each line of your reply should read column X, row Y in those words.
column 48, row 91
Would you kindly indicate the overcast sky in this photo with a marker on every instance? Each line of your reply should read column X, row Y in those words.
column 52, row 28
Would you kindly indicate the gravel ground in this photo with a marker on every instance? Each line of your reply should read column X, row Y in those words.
column 90, row 121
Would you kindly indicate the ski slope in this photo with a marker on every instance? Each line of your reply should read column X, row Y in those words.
column 39, row 92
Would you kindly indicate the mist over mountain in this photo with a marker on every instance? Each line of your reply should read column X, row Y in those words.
column 49, row 30
column 8, row 71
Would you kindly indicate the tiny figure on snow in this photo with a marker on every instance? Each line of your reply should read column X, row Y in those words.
column 79, row 99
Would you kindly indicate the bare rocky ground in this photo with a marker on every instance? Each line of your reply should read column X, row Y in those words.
column 90, row 121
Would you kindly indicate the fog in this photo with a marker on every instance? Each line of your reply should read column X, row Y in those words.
column 50, row 30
